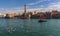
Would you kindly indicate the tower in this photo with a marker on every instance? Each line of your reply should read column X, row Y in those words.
column 25, row 9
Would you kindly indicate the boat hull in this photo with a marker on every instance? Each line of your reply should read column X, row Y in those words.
column 42, row 21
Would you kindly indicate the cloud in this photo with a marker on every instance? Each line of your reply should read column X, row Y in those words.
column 51, row 6
column 55, row 6
column 38, row 9
column 11, row 10
column 37, row 2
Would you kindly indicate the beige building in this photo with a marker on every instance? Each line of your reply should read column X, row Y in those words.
column 11, row 15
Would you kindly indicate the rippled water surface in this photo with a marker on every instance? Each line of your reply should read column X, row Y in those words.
column 29, row 27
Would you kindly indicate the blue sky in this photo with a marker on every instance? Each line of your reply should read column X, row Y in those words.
column 20, row 3
column 7, row 6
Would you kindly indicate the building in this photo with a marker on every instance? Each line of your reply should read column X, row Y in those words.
column 11, row 15
column 2, row 15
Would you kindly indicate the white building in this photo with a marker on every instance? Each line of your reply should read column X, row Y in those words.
column 2, row 15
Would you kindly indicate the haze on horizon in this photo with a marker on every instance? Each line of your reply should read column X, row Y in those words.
column 17, row 6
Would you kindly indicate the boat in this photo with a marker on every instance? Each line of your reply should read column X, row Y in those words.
column 42, row 20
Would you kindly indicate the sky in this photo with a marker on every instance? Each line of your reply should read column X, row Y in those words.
column 17, row 6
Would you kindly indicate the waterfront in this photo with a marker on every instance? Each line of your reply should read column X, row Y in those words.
column 29, row 27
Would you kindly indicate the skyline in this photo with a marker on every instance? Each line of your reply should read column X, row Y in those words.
column 17, row 6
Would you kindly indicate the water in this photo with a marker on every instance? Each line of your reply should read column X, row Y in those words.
column 29, row 27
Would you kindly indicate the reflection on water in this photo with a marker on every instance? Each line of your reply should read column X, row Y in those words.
column 29, row 27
